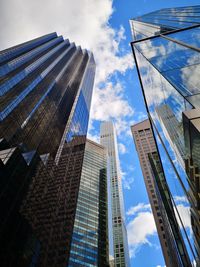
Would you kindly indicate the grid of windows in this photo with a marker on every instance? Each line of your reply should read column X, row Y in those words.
column 108, row 139
column 91, row 207
column 145, row 145
column 46, row 87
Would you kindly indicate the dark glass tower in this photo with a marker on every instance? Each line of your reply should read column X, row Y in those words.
column 166, row 51
column 46, row 87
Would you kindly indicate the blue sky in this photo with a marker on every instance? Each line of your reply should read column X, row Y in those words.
column 103, row 27
column 145, row 250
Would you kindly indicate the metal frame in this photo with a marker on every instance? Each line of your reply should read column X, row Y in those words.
column 150, row 119
column 165, row 33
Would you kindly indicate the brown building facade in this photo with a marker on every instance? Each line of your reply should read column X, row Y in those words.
column 146, row 148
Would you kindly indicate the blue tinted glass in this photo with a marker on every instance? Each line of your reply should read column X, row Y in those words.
column 191, row 36
column 182, row 206
column 175, row 59
column 166, row 106
column 139, row 35
column 186, row 80
column 154, row 47
column 173, row 18
column 80, row 119
column 11, row 65
column 168, row 23
column 178, row 64
column 13, row 104
column 22, row 74
column 29, row 156
column 17, row 50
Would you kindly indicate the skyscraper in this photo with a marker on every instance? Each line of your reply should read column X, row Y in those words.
column 166, row 52
column 89, row 245
column 146, row 148
column 46, row 87
column 109, row 140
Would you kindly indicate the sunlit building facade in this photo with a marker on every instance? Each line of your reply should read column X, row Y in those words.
column 108, row 139
column 146, row 149
column 166, row 50
column 46, row 87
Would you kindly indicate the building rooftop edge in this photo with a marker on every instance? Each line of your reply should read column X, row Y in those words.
column 139, row 123
column 95, row 143
column 165, row 8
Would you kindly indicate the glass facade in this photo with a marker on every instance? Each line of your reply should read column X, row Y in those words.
column 89, row 245
column 164, row 20
column 118, row 228
column 166, row 51
column 46, row 87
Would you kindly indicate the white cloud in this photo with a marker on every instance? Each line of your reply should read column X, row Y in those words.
column 85, row 22
column 180, row 199
column 78, row 20
column 139, row 230
column 140, row 207
column 194, row 263
column 127, row 179
column 123, row 124
column 157, row 89
column 111, row 257
column 189, row 75
column 127, row 182
column 122, row 148
column 150, row 50
column 140, row 116
column 184, row 212
column 183, row 208
column 109, row 103
column 93, row 137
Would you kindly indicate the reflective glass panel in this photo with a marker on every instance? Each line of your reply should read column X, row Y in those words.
column 190, row 37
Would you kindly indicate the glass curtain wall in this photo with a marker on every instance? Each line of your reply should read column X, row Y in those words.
column 168, row 65
column 89, row 245
column 45, row 89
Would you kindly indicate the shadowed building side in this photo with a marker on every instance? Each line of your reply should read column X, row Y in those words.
column 46, row 87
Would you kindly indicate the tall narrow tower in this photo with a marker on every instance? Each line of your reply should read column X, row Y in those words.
column 120, row 245
column 146, row 148
column 89, row 245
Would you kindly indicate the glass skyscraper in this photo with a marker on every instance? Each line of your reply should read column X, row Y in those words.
column 46, row 87
column 108, row 139
column 166, row 50
column 89, row 246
